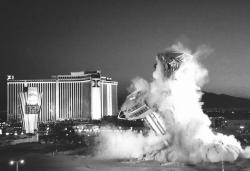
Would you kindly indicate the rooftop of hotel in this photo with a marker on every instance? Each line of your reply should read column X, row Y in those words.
column 81, row 75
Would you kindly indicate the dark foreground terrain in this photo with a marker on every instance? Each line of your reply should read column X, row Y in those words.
column 41, row 158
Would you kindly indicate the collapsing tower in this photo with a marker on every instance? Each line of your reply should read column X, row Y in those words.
column 135, row 106
column 31, row 105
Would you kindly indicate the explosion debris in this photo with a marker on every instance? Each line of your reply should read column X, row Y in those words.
column 170, row 105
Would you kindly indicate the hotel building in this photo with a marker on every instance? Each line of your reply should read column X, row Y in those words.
column 78, row 96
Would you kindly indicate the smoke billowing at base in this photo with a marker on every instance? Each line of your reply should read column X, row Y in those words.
column 174, row 94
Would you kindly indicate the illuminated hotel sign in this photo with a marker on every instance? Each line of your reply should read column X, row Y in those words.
column 31, row 102
column 32, row 109
column 32, row 106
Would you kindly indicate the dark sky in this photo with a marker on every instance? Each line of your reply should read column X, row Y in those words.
column 42, row 38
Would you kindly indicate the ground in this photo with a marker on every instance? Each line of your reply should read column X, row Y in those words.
column 41, row 158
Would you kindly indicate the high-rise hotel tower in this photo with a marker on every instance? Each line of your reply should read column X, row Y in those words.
column 80, row 95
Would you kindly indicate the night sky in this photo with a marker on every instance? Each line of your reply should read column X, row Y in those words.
column 121, row 38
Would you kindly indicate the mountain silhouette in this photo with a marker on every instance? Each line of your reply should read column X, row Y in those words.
column 212, row 100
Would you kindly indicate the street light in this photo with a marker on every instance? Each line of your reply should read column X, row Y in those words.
column 17, row 162
column 242, row 126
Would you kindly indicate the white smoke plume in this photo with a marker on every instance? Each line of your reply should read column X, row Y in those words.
column 124, row 144
column 177, row 100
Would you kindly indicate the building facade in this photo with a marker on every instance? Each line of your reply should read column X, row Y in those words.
column 79, row 96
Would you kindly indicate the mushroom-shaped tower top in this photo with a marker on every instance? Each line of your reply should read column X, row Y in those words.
column 170, row 60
